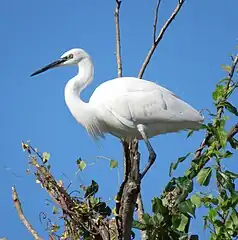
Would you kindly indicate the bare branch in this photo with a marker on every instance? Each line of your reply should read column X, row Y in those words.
column 140, row 212
column 156, row 20
column 118, row 39
column 131, row 187
column 21, row 215
column 160, row 36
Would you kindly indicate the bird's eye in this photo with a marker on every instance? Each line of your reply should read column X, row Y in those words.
column 70, row 56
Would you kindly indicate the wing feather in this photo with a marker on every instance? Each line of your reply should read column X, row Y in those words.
column 135, row 101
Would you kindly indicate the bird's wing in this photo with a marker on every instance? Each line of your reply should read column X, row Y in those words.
column 144, row 102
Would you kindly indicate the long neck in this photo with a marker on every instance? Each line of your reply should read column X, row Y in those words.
column 79, row 109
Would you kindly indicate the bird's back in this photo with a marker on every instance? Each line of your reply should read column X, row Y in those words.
column 133, row 101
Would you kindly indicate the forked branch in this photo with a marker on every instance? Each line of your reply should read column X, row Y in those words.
column 161, row 34
column 156, row 20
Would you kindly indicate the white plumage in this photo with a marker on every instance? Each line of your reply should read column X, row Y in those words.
column 126, row 107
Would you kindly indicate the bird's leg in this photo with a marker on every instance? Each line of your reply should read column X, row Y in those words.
column 152, row 154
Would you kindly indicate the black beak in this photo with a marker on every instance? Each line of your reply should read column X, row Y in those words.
column 49, row 66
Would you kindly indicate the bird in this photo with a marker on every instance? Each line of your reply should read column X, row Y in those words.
column 126, row 107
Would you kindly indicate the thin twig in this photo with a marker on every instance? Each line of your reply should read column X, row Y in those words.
column 21, row 215
column 230, row 76
column 140, row 212
column 156, row 20
column 160, row 36
column 219, row 110
column 118, row 39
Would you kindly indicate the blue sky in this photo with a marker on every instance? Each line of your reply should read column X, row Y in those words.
column 33, row 33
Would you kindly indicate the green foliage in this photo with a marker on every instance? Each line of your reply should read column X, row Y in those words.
column 81, row 164
column 204, row 176
column 173, row 166
column 113, row 163
column 196, row 200
column 221, row 218
column 91, row 189
column 46, row 157
column 230, row 108
column 219, row 92
column 187, row 207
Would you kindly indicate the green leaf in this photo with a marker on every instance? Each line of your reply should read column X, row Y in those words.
column 227, row 154
column 183, row 223
column 204, row 176
column 234, row 143
column 204, row 126
column 234, row 198
column 187, row 207
column 220, row 133
column 212, row 214
column 173, row 166
column 91, row 189
column 226, row 68
column 113, row 163
column 138, row 225
column 147, row 219
column 133, row 235
column 218, row 93
column 193, row 237
column 157, row 219
column 224, row 80
column 234, row 217
column 46, row 157
column 157, row 206
column 230, row 108
column 54, row 210
column 54, row 228
column 81, row 164
column 102, row 208
column 190, row 133
column 232, row 175
column 225, row 180
column 196, row 200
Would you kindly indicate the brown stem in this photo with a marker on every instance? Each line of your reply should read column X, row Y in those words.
column 131, row 188
column 156, row 20
column 140, row 212
column 159, row 37
column 118, row 39
column 21, row 215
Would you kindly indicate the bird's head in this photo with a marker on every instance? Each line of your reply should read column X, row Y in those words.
column 71, row 57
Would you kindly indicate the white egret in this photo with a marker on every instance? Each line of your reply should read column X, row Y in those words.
column 125, row 107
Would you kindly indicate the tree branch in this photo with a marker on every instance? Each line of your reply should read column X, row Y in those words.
column 118, row 39
column 131, row 188
column 219, row 110
column 140, row 212
column 156, row 20
column 21, row 215
column 160, row 36
column 73, row 213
